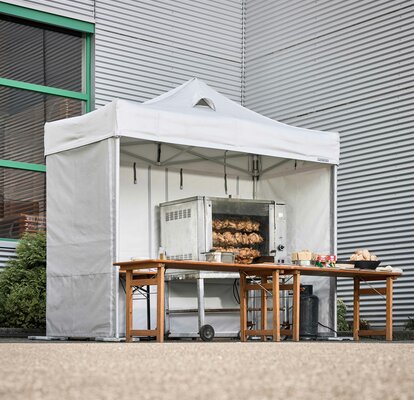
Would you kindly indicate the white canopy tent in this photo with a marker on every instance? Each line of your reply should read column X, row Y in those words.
column 108, row 171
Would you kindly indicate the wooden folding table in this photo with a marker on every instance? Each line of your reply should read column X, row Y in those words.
column 263, row 277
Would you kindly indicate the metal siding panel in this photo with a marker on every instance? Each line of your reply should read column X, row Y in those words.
column 75, row 8
column 7, row 251
column 348, row 67
column 146, row 48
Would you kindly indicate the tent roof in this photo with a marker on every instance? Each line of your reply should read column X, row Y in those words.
column 194, row 114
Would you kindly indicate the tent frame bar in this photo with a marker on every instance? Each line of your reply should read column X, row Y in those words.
column 183, row 150
column 220, row 160
column 278, row 164
column 212, row 159
column 147, row 160
column 194, row 160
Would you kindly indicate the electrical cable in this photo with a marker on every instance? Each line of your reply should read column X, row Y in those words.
column 257, row 283
column 327, row 327
column 141, row 291
column 122, row 284
column 372, row 287
column 236, row 293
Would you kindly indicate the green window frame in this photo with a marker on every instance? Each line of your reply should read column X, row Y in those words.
column 45, row 18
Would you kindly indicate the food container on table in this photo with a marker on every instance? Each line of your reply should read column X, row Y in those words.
column 362, row 264
column 365, row 264
column 219, row 256
column 303, row 263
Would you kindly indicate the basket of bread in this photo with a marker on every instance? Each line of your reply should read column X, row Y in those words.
column 363, row 259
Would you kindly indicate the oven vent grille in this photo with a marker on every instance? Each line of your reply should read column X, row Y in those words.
column 188, row 256
column 178, row 214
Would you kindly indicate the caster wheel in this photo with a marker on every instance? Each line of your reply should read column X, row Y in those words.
column 207, row 333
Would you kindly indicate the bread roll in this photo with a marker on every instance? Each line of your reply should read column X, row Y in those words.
column 366, row 254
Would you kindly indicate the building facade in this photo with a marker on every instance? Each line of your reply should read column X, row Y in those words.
column 329, row 65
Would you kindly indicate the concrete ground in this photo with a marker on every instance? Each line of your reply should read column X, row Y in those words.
column 214, row 371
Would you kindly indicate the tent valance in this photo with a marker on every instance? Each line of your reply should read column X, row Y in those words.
column 194, row 114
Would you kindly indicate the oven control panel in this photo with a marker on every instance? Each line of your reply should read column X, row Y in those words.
column 280, row 234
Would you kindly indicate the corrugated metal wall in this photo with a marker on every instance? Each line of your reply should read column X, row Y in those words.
column 333, row 65
column 146, row 48
column 348, row 66
column 81, row 9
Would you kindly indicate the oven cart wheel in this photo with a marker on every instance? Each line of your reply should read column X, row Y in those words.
column 207, row 333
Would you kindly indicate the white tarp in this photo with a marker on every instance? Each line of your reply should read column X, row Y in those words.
column 81, row 281
column 175, row 117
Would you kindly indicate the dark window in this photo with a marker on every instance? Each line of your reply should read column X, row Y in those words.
column 43, row 77
column 39, row 55
column 22, row 202
column 22, row 117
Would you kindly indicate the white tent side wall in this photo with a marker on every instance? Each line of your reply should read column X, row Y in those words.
column 307, row 197
column 81, row 240
column 310, row 207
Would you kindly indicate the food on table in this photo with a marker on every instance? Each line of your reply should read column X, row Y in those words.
column 363, row 255
column 304, row 255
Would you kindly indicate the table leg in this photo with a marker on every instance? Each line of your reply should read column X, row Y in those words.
column 243, row 307
column 276, row 306
column 129, row 306
column 296, row 305
column 263, row 321
column 356, row 308
column 148, row 307
column 160, row 303
column 388, row 329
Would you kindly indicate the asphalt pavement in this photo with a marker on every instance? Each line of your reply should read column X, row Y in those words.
column 213, row 371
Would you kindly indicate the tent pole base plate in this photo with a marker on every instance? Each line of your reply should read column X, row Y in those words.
column 109, row 339
column 47, row 338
